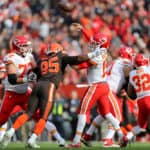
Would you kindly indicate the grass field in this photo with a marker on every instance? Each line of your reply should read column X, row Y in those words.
column 96, row 146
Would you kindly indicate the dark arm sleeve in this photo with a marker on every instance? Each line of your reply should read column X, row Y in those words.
column 74, row 60
column 125, row 86
column 37, row 70
column 12, row 78
column 131, row 92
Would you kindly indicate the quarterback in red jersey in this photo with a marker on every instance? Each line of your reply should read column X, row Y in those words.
column 98, row 89
column 117, row 73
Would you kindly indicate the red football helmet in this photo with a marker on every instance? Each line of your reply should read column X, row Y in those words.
column 100, row 40
column 141, row 60
column 127, row 53
column 21, row 45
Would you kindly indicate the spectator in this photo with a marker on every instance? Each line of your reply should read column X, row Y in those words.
column 57, row 113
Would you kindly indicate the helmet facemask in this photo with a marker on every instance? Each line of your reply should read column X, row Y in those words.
column 21, row 45
column 25, row 49
column 127, row 54
column 141, row 60
column 99, row 41
column 93, row 45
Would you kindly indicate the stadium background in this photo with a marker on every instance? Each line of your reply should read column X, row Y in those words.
column 126, row 21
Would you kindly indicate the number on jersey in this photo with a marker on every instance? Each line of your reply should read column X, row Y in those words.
column 142, row 82
column 50, row 66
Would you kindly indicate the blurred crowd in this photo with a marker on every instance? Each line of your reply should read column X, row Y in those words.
column 126, row 21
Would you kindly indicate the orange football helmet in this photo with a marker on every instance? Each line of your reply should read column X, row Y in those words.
column 55, row 48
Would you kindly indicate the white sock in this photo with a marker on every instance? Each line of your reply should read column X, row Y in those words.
column 130, row 135
column 11, row 132
column 110, row 134
column 33, row 138
column 52, row 128
column 3, row 129
column 120, row 133
column 137, row 129
column 96, row 122
column 80, row 127
column 115, row 122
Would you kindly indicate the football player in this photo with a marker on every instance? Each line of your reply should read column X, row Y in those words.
column 51, row 68
column 2, row 77
column 139, row 89
column 117, row 73
column 98, row 89
column 24, row 62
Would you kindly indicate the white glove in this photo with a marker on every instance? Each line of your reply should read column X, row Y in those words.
column 97, row 52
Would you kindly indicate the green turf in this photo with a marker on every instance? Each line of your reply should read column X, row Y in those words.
column 96, row 146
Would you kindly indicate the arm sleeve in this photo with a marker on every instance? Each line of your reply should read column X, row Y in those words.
column 12, row 78
column 125, row 86
column 74, row 60
column 131, row 92
column 37, row 70
column 84, row 65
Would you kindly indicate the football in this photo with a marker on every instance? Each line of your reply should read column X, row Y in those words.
column 66, row 6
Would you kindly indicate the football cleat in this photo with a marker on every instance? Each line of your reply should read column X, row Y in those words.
column 61, row 143
column 7, row 137
column 32, row 145
column 6, row 140
column 78, row 145
column 86, row 138
column 109, row 143
column 124, row 141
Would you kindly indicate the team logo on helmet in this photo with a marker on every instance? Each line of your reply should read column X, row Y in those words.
column 55, row 48
column 99, row 40
column 21, row 45
column 127, row 53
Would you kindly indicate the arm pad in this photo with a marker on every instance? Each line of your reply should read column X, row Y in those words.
column 12, row 78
